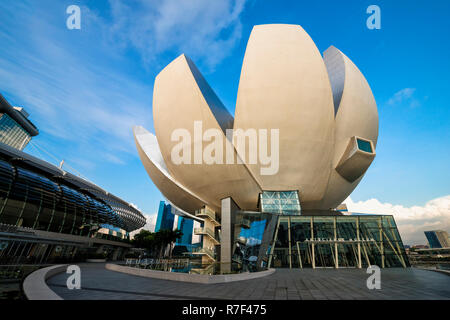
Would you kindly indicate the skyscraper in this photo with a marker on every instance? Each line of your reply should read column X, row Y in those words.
column 165, row 217
column 186, row 227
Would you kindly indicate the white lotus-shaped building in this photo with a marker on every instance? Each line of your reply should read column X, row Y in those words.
column 322, row 107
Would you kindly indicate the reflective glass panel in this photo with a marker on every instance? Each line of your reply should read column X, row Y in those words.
column 364, row 145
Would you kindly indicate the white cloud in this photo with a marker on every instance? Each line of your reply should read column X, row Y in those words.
column 411, row 221
column 404, row 96
column 77, row 85
column 203, row 29
column 73, row 87
column 149, row 225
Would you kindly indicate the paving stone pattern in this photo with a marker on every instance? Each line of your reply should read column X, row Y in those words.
column 97, row 283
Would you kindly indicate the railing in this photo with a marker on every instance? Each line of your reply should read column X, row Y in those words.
column 209, row 232
column 207, row 251
column 158, row 264
column 209, row 269
column 9, row 228
column 207, row 212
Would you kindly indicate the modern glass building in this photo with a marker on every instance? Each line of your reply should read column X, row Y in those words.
column 165, row 218
column 186, row 226
column 15, row 128
column 438, row 239
column 184, row 244
column 337, row 241
column 48, row 215
column 37, row 195
column 318, row 241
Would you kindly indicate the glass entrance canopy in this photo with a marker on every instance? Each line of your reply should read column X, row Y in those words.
column 345, row 241
column 337, row 241
column 281, row 236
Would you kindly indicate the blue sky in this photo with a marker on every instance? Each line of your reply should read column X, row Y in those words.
column 85, row 88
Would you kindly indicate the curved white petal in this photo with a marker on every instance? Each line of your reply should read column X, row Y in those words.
column 181, row 98
column 356, row 116
column 151, row 157
column 284, row 85
column 180, row 212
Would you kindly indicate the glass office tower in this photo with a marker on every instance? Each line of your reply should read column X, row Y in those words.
column 165, row 217
column 186, row 226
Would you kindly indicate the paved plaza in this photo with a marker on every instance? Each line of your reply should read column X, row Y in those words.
column 307, row 284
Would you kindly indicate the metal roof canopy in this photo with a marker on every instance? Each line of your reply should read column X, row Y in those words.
column 26, row 124
column 55, row 172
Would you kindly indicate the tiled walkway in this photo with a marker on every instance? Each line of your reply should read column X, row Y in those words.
column 319, row 284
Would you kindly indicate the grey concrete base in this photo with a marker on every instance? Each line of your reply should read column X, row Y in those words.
column 35, row 286
column 447, row 272
column 97, row 283
column 96, row 260
column 185, row 277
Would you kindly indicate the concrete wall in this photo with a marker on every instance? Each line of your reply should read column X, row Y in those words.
column 35, row 286
column 185, row 277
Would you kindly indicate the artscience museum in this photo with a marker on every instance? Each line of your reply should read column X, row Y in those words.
column 309, row 118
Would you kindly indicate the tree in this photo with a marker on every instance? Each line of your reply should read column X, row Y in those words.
column 167, row 237
column 145, row 239
column 156, row 242
column 174, row 236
